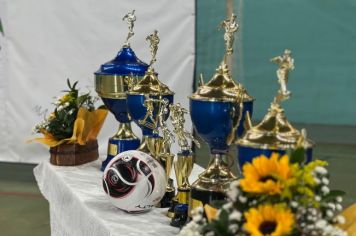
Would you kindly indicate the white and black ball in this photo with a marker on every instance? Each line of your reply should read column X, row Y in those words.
column 134, row 181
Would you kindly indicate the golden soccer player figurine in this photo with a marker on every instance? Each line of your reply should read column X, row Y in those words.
column 130, row 19
column 285, row 63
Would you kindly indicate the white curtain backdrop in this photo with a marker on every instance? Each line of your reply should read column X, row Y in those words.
column 48, row 41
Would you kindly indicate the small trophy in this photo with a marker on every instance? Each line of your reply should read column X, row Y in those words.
column 185, row 158
column 112, row 81
column 165, row 156
column 274, row 133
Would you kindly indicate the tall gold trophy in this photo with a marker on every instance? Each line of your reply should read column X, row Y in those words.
column 185, row 160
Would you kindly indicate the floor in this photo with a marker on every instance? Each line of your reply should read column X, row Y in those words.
column 23, row 210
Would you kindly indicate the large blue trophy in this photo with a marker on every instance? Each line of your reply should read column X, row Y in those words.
column 111, row 83
column 274, row 133
column 145, row 101
column 217, row 110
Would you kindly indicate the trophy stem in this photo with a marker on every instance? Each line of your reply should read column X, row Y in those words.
column 123, row 140
column 124, row 132
column 217, row 172
column 212, row 183
column 166, row 159
column 151, row 145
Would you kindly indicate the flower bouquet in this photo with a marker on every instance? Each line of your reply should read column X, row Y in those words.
column 277, row 196
column 72, row 128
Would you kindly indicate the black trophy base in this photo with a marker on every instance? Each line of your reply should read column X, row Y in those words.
column 167, row 199
column 170, row 212
column 180, row 215
column 201, row 197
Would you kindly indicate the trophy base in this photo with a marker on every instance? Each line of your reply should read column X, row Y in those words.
column 180, row 215
column 212, row 184
column 116, row 146
column 199, row 197
column 170, row 212
column 151, row 145
column 167, row 199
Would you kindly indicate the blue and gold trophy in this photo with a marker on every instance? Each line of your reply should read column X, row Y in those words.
column 111, row 83
column 274, row 133
column 216, row 110
column 145, row 102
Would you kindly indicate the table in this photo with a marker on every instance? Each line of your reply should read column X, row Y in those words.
column 79, row 206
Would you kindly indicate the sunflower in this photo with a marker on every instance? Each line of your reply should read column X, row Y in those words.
column 267, row 175
column 269, row 220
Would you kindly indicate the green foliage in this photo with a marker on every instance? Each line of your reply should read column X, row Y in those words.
column 297, row 155
column 60, row 123
column 1, row 28
column 306, row 190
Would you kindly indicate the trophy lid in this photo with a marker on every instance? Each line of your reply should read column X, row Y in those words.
column 150, row 84
column 222, row 87
column 124, row 64
column 274, row 131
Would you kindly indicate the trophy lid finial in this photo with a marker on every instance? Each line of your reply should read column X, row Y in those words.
column 285, row 64
column 230, row 26
column 130, row 19
column 154, row 41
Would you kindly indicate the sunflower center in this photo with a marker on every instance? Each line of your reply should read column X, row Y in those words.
column 268, row 227
column 268, row 177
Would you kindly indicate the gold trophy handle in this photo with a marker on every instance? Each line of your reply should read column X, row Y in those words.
column 236, row 119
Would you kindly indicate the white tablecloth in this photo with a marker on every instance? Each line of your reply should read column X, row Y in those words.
column 79, row 206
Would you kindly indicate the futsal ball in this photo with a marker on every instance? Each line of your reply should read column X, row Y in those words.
column 134, row 181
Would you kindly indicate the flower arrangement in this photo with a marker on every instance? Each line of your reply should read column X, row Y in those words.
column 277, row 196
column 74, row 119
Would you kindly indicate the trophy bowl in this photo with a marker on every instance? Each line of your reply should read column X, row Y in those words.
column 213, row 122
column 138, row 110
column 111, row 84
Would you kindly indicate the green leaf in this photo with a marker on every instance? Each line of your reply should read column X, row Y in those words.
column 221, row 225
column 218, row 203
column 297, row 155
column 68, row 83
column 333, row 194
column 1, row 28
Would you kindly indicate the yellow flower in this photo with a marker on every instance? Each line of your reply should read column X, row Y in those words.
column 51, row 116
column 269, row 220
column 267, row 175
column 65, row 98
